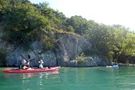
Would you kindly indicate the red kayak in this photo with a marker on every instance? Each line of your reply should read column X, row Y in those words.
column 32, row 70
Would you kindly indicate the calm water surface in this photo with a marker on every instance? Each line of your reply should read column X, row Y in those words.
column 93, row 78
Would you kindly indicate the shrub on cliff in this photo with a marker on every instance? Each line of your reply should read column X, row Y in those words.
column 81, row 59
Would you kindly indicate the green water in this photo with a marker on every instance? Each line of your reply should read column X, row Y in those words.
column 93, row 78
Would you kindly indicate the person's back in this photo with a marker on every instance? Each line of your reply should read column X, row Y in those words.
column 23, row 63
column 27, row 64
column 41, row 63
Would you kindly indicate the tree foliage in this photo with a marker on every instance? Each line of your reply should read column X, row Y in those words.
column 25, row 22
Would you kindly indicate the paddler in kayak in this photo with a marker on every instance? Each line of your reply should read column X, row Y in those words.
column 40, row 63
column 24, row 64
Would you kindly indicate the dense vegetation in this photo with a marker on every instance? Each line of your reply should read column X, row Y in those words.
column 25, row 22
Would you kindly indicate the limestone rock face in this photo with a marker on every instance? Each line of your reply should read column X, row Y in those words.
column 36, row 53
column 66, row 48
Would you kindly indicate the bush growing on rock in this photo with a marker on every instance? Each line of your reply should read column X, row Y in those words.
column 81, row 59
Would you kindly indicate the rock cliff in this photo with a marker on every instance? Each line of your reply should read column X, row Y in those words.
column 66, row 49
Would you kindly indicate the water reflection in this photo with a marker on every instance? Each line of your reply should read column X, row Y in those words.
column 95, row 75
column 47, row 74
column 29, row 81
column 37, row 81
column 28, row 75
column 96, row 78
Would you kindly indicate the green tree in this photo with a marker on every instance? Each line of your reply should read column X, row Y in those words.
column 56, row 18
column 78, row 23
column 22, row 21
column 70, row 28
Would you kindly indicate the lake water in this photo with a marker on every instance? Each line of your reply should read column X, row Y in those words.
column 92, row 78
